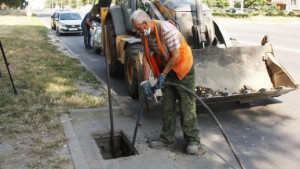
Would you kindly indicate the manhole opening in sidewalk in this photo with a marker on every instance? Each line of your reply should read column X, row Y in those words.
column 123, row 147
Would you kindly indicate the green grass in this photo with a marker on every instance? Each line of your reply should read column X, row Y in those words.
column 48, row 84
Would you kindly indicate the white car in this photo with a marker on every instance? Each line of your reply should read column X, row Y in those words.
column 69, row 22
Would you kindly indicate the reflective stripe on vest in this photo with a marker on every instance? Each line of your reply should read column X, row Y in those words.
column 162, row 42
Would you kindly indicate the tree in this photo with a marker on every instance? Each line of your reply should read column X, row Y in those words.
column 237, row 4
column 12, row 3
column 209, row 3
column 222, row 3
column 73, row 3
column 254, row 3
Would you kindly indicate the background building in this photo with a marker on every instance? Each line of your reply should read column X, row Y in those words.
column 293, row 5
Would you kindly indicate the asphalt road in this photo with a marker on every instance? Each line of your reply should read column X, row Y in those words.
column 265, row 133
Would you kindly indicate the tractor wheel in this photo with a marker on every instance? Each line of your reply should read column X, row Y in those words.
column 131, row 76
column 115, row 66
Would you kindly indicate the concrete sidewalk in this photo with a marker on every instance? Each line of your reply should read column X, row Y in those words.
column 85, row 123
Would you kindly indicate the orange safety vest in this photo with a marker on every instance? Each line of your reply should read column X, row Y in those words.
column 157, row 63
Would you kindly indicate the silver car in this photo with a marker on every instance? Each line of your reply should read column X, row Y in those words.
column 96, row 38
column 69, row 22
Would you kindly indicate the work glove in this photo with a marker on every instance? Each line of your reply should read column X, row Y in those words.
column 148, row 93
column 161, row 81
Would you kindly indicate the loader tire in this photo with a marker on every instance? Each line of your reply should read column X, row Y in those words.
column 130, row 69
column 115, row 66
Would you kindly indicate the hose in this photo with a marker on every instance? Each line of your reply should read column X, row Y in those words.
column 214, row 117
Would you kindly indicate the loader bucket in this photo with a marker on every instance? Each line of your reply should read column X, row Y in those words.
column 239, row 74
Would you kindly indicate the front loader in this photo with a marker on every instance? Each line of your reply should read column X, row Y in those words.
column 225, row 71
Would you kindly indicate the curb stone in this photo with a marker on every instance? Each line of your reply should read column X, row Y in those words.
column 75, row 150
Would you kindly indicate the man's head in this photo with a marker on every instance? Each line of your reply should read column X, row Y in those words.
column 141, row 21
column 94, row 11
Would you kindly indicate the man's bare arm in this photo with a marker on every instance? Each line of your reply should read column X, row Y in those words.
column 146, row 68
column 172, row 62
column 87, row 21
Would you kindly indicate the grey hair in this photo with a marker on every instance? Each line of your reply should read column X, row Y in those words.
column 139, row 16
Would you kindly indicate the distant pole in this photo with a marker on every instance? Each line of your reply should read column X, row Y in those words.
column 242, row 5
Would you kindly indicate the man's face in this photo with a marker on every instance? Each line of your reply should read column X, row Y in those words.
column 140, row 27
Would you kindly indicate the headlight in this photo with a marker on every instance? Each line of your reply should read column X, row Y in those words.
column 62, row 25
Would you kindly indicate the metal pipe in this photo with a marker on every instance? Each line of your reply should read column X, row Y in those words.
column 137, row 124
column 6, row 63
column 173, row 19
column 109, row 99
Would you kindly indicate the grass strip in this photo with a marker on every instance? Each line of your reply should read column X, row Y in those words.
column 48, row 84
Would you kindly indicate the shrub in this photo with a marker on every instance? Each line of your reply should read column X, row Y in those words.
column 251, row 12
column 274, row 8
column 292, row 13
column 263, row 9
column 237, row 4
column 243, row 15
column 283, row 13
column 233, row 15
column 271, row 13
column 256, row 14
column 260, row 12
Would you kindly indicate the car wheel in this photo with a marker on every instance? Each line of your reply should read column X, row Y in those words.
column 101, row 52
column 57, row 32
column 95, row 48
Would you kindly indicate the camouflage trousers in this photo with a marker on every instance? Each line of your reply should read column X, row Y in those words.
column 187, row 106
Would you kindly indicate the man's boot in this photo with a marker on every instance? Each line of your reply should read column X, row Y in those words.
column 192, row 148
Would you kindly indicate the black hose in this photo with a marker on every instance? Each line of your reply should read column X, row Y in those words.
column 213, row 116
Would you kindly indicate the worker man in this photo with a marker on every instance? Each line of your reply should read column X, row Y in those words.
column 86, row 24
column 171, row 61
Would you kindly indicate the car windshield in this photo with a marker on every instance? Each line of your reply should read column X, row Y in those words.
column 70, row 16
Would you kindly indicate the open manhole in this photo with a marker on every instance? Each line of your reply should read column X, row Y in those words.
column 123, row 147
